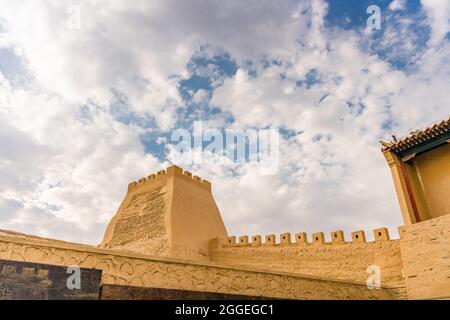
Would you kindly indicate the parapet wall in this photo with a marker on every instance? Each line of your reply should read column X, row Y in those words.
column 163, row 175
column 338, row 259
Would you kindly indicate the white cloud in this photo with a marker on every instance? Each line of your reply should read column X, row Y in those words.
column 438, row 13
column 70, row 171
column 201, row 96
column 331, row 177
column 397, row 5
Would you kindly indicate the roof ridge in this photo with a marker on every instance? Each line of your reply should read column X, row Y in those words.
column 418, row 136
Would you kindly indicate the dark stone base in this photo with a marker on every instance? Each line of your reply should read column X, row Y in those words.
column 36, row 281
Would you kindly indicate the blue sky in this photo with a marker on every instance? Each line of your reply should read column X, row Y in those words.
column 90, row 95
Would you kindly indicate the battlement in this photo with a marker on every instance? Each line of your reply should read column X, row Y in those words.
column 301, row 239
column 164, row 175
column 334, row 255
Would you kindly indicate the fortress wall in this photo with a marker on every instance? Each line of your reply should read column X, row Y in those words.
column 338, row 259
column 137, row 270
column 425, row 248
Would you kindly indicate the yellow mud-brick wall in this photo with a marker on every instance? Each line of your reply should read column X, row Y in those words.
column 425, row 249
column 313, row 256
column 120, row 268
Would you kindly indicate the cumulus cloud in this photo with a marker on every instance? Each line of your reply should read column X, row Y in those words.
column 337, row 118
column 438, row 12
column 64, row 165
column 397, row 5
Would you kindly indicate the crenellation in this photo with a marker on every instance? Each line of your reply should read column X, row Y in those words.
column 337, row 237
column 206, row 184
column 165, row 174
column 243, row 241
column 270, row 240
column 145, row 181
column 132, row 186
column 285, row 239
column 231, row 241
column 174, row 171
column 359, row 236
column 256, row 241
column 318, row 238
column 187, row 173
column 301, row 238
column 203, row 183
column 381, row 234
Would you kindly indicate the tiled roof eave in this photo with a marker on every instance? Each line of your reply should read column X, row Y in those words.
column 419, row 137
